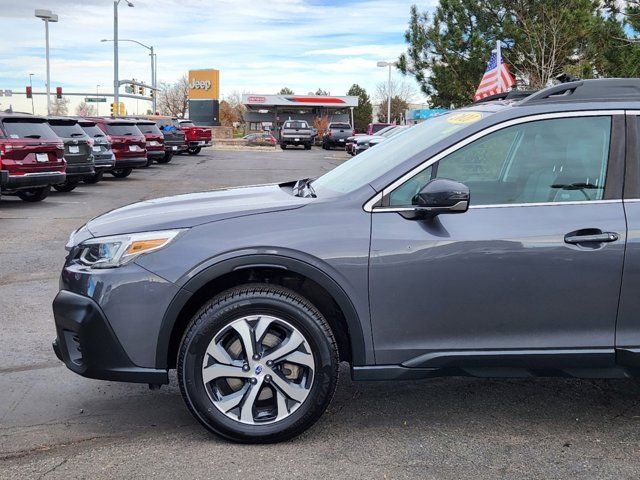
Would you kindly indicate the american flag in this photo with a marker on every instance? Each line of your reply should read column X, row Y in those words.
column 495, row 80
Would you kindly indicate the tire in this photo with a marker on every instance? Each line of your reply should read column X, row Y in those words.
column 166, row 159
column 194, row 150
column 283, row 146
column 218, row 323
column 34, row 194
column 121, row 172
column 95, row 178
column 307, row 146
column 67, row 186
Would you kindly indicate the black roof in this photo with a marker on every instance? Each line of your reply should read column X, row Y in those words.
column 595, row 90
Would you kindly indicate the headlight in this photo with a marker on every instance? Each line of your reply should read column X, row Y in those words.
column 115, row 251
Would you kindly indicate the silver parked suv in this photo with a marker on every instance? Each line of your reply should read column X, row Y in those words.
column 495, row 240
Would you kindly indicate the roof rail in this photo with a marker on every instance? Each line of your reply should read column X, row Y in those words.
column 596, row 90
column 510, row 95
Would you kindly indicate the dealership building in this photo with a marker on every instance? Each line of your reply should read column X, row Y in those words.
column 269, row 112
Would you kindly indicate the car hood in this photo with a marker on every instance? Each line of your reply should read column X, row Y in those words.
column 189, row 210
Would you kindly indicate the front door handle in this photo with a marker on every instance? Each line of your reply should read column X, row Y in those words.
column 578, row 237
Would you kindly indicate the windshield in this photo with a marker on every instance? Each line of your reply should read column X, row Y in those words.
column 67, row 130
column 24, row 128
column 93, row 131
column 373, row 163
column 344, row 126
column 394, row 131
column 378, row 127
column 149, row 128
column 122, row 129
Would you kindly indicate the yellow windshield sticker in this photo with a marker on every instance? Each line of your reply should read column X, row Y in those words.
column 465, row 117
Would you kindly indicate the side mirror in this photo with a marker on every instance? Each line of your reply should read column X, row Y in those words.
column 440, row 195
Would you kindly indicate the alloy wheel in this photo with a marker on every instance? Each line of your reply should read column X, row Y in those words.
column 258, row 370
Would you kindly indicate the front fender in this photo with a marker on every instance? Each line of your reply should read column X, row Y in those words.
column 296, row 262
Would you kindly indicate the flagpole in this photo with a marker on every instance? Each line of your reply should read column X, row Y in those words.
column 499, row 62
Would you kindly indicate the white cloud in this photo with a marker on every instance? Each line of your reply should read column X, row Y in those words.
column 258, row 46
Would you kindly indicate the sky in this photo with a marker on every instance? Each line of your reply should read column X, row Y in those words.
column 258, row 46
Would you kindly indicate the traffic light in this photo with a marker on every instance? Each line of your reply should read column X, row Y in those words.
column 29, row 92
column 58, row 92
column 122, row 110
column 114, row 109
column 140, row 90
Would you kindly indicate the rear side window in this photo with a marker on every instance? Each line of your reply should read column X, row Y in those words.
column 93, row 131
column 67, row 129
column 122, row 129
column 149, row 128
column 27, row 129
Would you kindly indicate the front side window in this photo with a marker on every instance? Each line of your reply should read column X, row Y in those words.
column 557, row 160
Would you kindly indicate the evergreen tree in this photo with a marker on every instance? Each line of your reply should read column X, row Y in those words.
column 285, row 91
column 447, row 51
column 362, row 114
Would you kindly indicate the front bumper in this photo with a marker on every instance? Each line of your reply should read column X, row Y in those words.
column 87, row 344
column 30, row 180
column 132, row 162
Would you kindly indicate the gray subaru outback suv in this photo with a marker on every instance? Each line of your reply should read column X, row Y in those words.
column 495, row 240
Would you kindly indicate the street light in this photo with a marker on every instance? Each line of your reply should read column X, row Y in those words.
column 388, row 64
column 154, row 64
column 33, row 109
column 116, row 81
column 47, row 16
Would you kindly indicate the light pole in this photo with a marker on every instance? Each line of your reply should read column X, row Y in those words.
column 47, row 16
column 388, row 64
column 33, row 109
column 116, row 80
column 153, row 63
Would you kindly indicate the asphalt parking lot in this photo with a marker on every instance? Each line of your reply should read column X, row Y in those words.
column 55, row 424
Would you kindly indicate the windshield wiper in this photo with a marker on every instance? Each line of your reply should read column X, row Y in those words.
column 33, row 135
column 76, row 134
column 303, row 188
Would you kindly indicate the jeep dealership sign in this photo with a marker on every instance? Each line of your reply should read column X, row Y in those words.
column 204, row 84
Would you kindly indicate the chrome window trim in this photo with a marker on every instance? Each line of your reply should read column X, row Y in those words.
column 369, row 206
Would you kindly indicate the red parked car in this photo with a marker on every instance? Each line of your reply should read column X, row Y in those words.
column 127, row 142
column 195, row 137
column 31, row 157
column 154, row 140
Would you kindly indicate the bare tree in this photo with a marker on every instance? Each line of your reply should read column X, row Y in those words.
column 397, row 89
column 173, row 98
column 232, row 109
column 60, row 106
column 85, row 110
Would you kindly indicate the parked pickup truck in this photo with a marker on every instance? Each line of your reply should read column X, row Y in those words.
column 195, row 137
column 296, row 132
column 336, row 134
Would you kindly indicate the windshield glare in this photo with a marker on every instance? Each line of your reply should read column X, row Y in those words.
column 373, row 163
